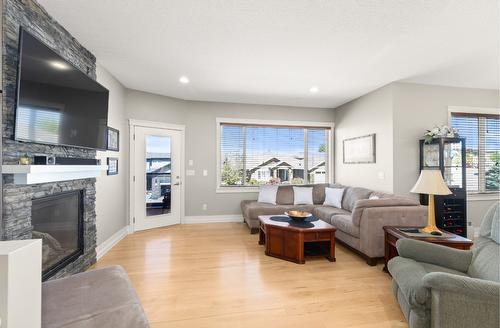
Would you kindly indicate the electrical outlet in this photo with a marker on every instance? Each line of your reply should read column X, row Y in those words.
column 204, row 207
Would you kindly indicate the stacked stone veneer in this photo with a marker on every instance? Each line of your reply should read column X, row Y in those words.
column 17, row 199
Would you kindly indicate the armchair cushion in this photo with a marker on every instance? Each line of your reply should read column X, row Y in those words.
column 486, row 261
column 487, row 223
column 422, row 251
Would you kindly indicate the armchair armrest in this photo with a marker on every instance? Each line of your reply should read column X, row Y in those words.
column 422, row 251
column 488, row 291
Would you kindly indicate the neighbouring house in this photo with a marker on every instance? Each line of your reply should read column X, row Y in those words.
column 287, row 170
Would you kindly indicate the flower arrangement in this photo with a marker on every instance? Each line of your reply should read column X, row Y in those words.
column 274, row 181
column 440, row 132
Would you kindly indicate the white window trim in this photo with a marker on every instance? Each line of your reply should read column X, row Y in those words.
column 222, row 120
column 476, row 195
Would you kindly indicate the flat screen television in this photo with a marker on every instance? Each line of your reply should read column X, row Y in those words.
column 56, row 102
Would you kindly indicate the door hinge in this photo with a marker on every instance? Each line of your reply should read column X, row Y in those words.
column 133, row 219
column 134, row 136
column 133, row 179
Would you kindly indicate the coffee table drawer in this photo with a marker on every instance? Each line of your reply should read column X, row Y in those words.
column 317, row 236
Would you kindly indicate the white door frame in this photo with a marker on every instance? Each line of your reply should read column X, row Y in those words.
column 159, row 125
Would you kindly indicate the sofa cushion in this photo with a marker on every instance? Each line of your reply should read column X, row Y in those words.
column 344, row 222
column 352, row 195
column 98, row 298
column 252, row 209
column 325, row 213
column 284, row 195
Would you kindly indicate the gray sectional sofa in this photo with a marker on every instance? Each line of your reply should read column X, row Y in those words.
column 359, row 222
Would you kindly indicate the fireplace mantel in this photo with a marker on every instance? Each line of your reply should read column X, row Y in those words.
column 32, row 174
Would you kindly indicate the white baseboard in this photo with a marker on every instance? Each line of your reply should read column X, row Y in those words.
column 212, row 219
column 109, row 243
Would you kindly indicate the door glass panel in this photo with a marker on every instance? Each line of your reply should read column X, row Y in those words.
column 158, row 171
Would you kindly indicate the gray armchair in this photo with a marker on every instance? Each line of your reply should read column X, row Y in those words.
column 441, row 287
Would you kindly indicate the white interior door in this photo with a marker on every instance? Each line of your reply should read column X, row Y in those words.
column 157, row 172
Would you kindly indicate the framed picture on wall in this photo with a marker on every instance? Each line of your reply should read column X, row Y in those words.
column 113, row 139
column 359, row 150
column 112, row 166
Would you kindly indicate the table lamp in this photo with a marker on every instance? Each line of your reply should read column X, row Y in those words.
column 431, row 182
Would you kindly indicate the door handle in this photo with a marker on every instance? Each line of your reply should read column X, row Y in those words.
column 177, row 184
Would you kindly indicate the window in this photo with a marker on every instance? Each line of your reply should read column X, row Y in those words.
column 254, row 154
column 482, row 133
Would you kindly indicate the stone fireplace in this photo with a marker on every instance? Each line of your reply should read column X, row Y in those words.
column 22, row 203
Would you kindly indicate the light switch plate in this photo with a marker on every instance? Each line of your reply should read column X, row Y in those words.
column 205, row 173
column 190, row 162
column 190, row 173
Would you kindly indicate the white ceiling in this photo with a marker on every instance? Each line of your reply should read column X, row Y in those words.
column 274, row 51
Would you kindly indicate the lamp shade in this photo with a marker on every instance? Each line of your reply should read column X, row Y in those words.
column 431, row 182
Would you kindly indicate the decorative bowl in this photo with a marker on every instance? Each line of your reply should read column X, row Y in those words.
column 298, row 215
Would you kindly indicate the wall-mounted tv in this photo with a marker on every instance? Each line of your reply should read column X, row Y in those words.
column 56, row 102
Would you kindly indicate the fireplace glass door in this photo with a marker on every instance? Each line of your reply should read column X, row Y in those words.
column 57, row 220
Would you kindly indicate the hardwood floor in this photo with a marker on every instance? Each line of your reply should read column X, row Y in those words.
column 216, row 275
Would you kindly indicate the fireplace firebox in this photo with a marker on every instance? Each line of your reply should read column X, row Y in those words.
column 58, row 220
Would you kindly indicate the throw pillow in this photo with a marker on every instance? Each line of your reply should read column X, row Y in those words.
column 372, row 196
column 267, row 194
column 303, row 195
column 333, row 197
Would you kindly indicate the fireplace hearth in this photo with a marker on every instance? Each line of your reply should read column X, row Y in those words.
column 58, row 220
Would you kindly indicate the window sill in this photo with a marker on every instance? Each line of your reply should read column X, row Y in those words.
column 233, row 190
column 483, row 196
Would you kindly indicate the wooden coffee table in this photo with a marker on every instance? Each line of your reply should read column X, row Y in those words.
column 392, row 234
column 287, row 242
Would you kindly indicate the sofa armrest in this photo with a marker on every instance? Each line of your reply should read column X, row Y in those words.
column 422, row 251
column 373, row 220
column 489, row 291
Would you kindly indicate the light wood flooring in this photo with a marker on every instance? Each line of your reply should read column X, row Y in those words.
column 216, row 275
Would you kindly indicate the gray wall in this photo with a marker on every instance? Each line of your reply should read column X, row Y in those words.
column 400, row 113
column 199, row 119
column 112, row 191
column 419, row 107
column 371, row 113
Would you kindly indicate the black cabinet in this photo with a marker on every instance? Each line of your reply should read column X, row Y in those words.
column 448, row 155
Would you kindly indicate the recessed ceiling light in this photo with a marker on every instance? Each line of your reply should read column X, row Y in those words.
column 313, row 89
column 59, row 65
column 184, row 80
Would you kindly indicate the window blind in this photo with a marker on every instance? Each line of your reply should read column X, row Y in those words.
column 482, row 133
column 253, row 155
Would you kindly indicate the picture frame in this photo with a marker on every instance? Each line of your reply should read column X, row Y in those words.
column 112, row 163
column 360, row 150
column 113, row 140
